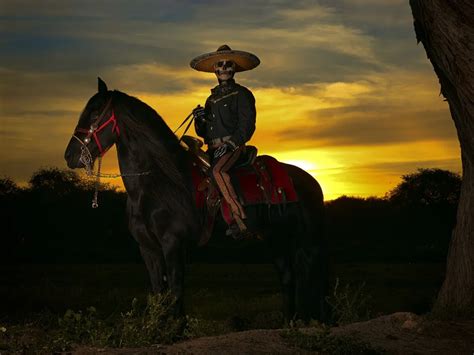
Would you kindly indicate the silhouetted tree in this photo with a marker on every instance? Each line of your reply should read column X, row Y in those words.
column 8, row 187
column 10, row 218
column 359, row 229
column 53, row 221
column 445, row 27
column 55, row 180
column 427, row 187
column 424, row 212
column 62, row 181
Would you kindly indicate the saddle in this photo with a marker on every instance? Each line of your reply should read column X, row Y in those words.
column 257, row 180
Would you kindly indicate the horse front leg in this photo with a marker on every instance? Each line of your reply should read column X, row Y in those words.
column 150, row 250
column 174, row 255
column 155, row 264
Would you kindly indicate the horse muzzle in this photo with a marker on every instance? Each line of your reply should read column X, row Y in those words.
column 72, row 155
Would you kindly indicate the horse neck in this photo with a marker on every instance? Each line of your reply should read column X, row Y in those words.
column 162, row 156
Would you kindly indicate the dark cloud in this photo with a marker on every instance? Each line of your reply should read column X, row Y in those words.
column 406, row 167
column 146, row 10
column 372, row 124
column 299, row 40
column 388, row 23
column 25, row 113
column 56, row 53
column 312, row 65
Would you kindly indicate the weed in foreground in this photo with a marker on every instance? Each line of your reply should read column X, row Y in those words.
column 199, row 327
column 155, row 324
column 81, row 327
column 349, row 303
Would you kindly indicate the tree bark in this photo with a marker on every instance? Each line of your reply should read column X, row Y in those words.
column 446, row 29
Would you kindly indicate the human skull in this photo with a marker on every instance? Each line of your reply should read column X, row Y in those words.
column 224, row 69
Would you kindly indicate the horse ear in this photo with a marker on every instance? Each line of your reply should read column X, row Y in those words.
column 102, row 86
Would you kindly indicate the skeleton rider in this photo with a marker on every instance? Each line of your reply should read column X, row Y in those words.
column 227, row 121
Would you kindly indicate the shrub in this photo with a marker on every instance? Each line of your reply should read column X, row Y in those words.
column 152, row 323
column 82, row 328
column 349, row 303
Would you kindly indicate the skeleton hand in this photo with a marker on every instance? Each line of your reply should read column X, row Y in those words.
column 223, row 149
column 199, row 114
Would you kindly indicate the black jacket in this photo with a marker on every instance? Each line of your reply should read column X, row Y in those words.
column 230, row 111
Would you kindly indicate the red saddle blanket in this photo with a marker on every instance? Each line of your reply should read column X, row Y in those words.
column 266, row 181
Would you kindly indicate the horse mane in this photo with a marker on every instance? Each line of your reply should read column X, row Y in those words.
column 149, row 136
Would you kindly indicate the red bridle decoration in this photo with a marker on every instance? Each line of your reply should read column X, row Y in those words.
column 94, row 130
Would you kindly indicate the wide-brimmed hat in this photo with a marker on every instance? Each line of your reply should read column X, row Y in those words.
column 243, row 60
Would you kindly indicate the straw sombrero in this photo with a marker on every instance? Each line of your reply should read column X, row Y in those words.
column 243, row 60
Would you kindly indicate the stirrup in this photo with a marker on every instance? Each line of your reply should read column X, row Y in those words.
column 240, row 223
column 236, row 234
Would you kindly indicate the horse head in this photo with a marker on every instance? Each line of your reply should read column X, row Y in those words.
column 96, row 131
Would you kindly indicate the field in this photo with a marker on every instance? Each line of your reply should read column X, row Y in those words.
column 216, row 292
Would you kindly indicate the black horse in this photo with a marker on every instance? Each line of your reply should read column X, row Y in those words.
column 163, row 217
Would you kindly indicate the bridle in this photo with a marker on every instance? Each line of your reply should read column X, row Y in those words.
column 86, row 156
column 94, row 130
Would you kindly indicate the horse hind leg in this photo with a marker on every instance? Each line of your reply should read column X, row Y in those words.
column 286, row 277
column 302, row 278
column 302, row 299
column 310, row 285
column 309, row 251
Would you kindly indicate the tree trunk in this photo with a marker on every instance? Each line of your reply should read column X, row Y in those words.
column 446, row 29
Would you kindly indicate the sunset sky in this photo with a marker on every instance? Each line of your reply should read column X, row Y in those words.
column 343, row 90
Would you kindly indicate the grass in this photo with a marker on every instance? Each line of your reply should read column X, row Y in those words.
column 212, row 291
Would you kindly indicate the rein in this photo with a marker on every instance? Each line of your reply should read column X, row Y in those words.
column 187, row 127
column 86, row 156
column 93, row 132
